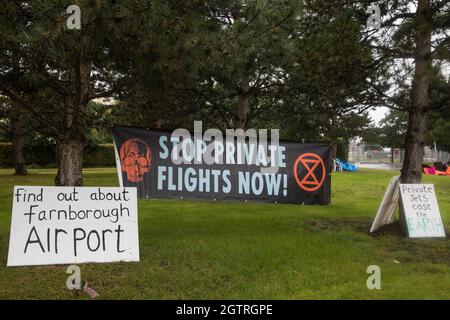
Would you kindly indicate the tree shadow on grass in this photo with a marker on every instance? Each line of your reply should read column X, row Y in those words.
column 393, row 239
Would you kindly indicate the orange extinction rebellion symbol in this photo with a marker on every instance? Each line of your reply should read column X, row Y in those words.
column 311, row 162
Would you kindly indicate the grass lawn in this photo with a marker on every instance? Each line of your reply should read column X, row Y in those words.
column 217, row 250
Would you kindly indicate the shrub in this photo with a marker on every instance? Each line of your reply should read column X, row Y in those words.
column 5, row 154
column 101, row 155
column 342, row 149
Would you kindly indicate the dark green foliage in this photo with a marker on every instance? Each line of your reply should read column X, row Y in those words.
column 342, row 149
column 439, row 129
column 43, row 154
column 101, row 155
column 5, row 154
column 391, row 131
column 39, row 153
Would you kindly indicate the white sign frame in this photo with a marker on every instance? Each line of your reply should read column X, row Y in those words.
column 385, row 212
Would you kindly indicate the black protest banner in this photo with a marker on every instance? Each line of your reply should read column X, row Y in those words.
column 161, row 165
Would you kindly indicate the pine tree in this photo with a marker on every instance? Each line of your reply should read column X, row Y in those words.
column 421, row 36
column 66, row 69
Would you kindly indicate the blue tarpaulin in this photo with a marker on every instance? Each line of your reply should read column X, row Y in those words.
column 347, row 166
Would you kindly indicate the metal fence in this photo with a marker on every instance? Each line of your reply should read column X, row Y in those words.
column 374, row 153
column 361, row 152
column 432, row 156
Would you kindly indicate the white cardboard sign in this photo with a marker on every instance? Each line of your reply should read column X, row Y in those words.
column 421, row 210
column 385, row 212
column 65, row 225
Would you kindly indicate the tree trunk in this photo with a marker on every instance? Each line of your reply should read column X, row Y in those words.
column 333, row 149
column 157, row 123
column 17, row 145
column 70, row 170
column 333, row 134
column 415, row 135
column 72, row 139
column 243, row 109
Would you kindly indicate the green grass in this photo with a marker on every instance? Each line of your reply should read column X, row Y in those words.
column 217, row 250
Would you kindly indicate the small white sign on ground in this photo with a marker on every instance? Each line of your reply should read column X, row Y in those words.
column 66, row 225
column 421, row 211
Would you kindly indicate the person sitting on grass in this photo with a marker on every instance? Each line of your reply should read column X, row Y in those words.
column 439, row 169
column 433, row 170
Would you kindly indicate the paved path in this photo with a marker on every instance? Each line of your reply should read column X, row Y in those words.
column 379, row 166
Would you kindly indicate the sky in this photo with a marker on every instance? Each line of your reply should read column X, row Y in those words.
column 378, row 114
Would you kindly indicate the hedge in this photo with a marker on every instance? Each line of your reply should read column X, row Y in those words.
column 99, row 156
column 45, row 155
